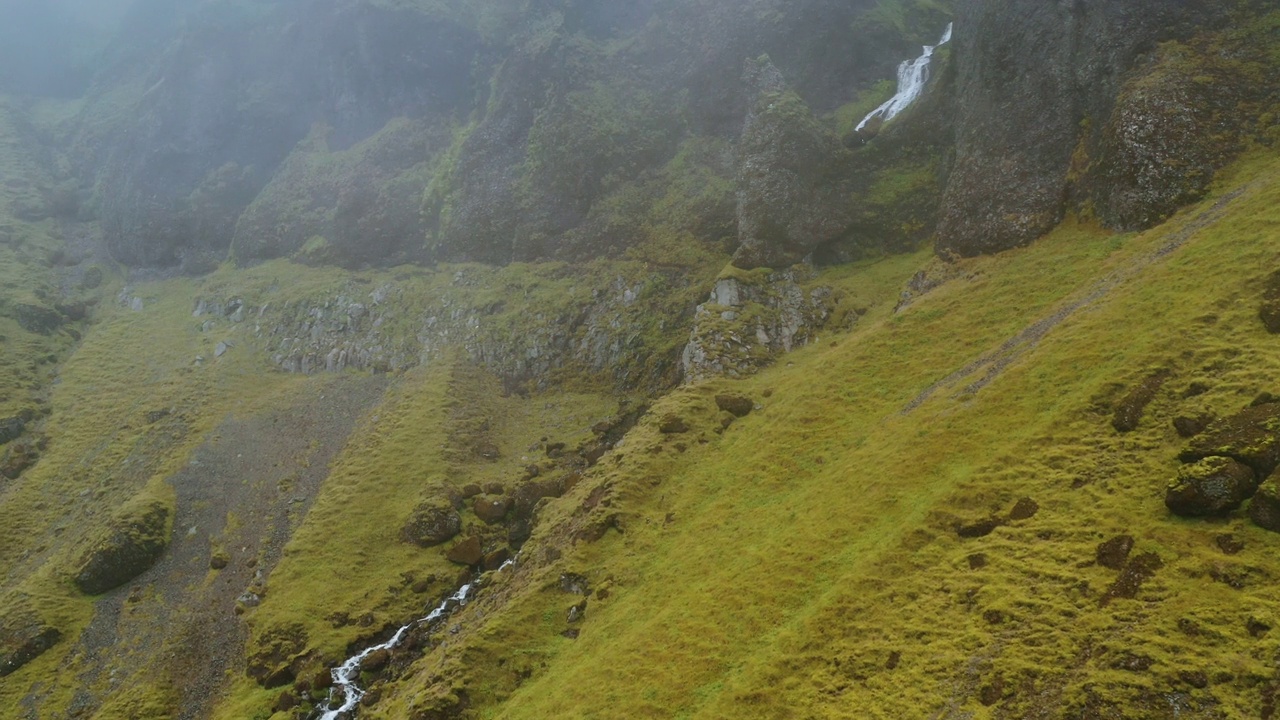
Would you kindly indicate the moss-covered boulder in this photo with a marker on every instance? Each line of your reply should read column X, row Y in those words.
column 1251, row 436
column 1209, row 487
column 135, row 540
column 433, row 522
column 1130, row 410
column 23, row 639
column 11, row 429
column 1264, row 511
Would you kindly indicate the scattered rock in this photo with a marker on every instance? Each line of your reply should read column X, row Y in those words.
column 1196, row 389
column 221, row 349
column 979, row 528
column 992, row 692
column 739, row 405
column 495, row 488
column 490, row 509
column 467, row 551
column 1257, row 628
column 577, row 613
column 1264, row 511
column 470, row 491
column 1130, row 410
column 1132, row 663
column 218, row 561
column 673, row 425
column 156, row 416
column 431, row 523
column 1024, row 509
column 1210, row 487
column 1251, row 436
column 1135, row 573
column 571, row 633
column 1189, row 427
column 977, row 561
column 1114, row 552
column 136, row 539
column 487, row 450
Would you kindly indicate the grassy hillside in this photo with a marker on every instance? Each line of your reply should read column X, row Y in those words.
column 826, row 558
column 907, row 525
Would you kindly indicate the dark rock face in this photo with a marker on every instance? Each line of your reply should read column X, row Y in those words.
column 134, row 543
column 1022, row 99
column 1164, row 141
column 1251, row 437
column 37, row 318
column 1209, row 487
column 792, row 193
column 433, row 522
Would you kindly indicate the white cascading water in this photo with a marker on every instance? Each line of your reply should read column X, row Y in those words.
column 346, row 674
column 913, row 75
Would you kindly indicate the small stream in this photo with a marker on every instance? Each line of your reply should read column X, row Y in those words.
column 346, row 675
column 913, row 75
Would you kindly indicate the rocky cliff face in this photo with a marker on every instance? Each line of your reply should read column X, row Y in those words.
column 1084, row 105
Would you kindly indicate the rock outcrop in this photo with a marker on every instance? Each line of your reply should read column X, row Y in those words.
column 1034, row 106
column 138, row 535
column 792, row 177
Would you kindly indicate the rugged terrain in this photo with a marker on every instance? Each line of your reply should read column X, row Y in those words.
column 313, row 314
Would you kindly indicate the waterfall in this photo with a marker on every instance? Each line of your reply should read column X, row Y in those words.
column 913, row 75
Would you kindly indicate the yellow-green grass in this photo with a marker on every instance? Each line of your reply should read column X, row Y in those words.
column 774, row 572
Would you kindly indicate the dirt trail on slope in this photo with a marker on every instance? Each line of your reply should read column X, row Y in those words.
column 991, row 364
column 243, row 493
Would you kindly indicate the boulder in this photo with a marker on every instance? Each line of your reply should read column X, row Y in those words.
column 1025, row 509
column 376, row 660
column 135, row 540
column 1251, row 436
column 496, row 559
column 492, row 509
column 26, row 643
column 431, row 523
column 738, row 405
column 467, row 551
column 1264, row 511
column 1210, row 487
column 37, row 318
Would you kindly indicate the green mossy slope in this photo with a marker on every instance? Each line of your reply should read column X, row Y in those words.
column 851, row 549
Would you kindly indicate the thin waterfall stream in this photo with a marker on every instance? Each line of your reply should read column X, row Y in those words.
column 346, row 675
column 913, row 75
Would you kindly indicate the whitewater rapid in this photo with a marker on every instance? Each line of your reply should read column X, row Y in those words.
column 913, row 75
